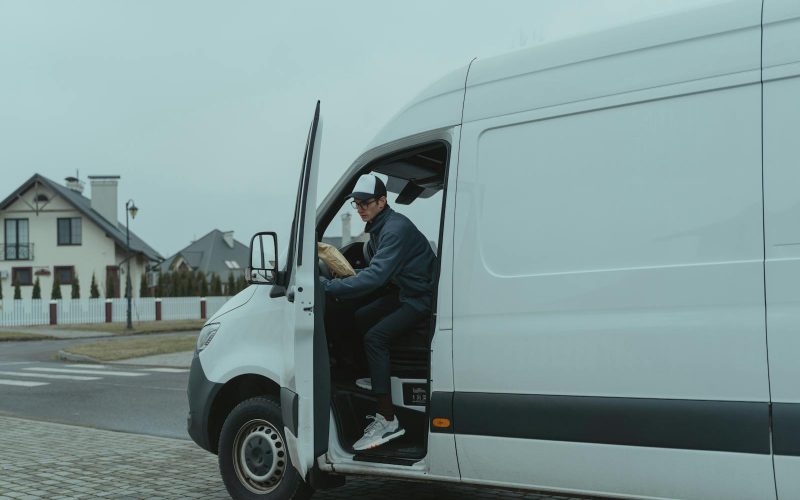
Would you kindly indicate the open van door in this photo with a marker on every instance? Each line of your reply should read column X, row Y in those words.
column 305, row 400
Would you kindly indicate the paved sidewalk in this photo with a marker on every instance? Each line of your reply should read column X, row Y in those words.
column 46, row 460
column 55, row 461
column 55, row 332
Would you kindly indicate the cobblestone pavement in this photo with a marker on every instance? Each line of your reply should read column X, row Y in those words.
column 55, row 461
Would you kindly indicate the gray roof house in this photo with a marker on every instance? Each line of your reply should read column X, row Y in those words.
column 216, row 252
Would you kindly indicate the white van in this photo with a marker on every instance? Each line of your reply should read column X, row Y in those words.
column 617, row 224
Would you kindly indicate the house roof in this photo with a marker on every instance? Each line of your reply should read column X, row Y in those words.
column 211, row 254
column 84, row 206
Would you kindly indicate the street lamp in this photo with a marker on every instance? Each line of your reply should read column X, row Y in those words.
column 130, row 208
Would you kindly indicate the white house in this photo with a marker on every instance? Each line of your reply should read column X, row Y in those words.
column 49, row 230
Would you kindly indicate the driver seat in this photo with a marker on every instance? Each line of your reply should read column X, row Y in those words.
column 409, row 353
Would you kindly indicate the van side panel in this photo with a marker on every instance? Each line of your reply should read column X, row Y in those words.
column 629, row 240
column 593, row 468
column 782, row 225
column 609, row 282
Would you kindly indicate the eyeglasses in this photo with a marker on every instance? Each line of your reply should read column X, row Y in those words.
column 362, row 204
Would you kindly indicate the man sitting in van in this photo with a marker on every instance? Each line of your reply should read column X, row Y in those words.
column 403, row 257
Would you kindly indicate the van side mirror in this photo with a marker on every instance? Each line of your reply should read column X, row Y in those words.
column 263, row 267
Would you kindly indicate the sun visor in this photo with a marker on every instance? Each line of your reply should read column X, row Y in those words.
column 408, row 191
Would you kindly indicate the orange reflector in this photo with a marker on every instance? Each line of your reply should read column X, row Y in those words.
column 442, row 423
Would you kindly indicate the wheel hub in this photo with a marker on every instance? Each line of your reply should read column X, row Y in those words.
column 259, row 456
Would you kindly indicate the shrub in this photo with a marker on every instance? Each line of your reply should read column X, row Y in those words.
column 55, row 293
column 94, row 292
column 143, row 290
column 76, row 288
column 37, row 289
column 216, row 285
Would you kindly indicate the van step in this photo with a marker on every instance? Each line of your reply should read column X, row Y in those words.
column 391, row 453
column 408, row 462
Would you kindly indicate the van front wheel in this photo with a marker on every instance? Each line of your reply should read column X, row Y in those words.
column 253, row 458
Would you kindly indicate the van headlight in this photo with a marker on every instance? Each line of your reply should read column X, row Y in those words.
column 206, row 335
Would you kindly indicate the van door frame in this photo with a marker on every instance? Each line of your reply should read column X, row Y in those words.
column 440, row 445
column 305, row 403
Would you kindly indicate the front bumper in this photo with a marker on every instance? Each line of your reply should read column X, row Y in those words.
column 201, row 398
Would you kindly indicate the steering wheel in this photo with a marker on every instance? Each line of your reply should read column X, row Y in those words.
column 324, row 270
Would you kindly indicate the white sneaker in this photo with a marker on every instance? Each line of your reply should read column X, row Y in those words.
column 364, row 383
column 378, row 432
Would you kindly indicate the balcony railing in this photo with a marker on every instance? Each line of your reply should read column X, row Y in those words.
column 17, row 251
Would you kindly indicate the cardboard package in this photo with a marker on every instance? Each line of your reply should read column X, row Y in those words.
column 335, row 261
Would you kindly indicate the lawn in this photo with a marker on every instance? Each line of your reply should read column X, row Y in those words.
column 139, row 327
column 117, row 349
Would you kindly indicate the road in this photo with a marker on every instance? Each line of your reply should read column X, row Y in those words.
column 137, row 399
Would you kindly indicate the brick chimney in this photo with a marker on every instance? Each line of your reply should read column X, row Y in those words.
column 74, row 184
column 228, row 237
column 104, row 196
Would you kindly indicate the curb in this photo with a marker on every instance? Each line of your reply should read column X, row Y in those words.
column 82, row 358
column 68, row 356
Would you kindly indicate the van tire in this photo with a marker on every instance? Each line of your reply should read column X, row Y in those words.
column 253, row 458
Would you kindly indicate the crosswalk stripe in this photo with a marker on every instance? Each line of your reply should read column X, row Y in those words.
column 23, row 383
column 48, row 375
column 94, row 367
column 166, row 370
column 89, row 372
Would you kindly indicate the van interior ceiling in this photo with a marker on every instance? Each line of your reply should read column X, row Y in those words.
column 412, row 175
column 419, row 176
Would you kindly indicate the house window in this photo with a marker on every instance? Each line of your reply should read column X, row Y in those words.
column 22, row 275
column 69, row 231
column 65, row 274
column 17, row 246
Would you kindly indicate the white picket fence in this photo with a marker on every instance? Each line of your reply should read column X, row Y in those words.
column 31, row 312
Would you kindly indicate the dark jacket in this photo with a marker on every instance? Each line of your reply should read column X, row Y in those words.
column 401, row 255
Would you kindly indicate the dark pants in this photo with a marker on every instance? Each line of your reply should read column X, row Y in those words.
column 380, row 322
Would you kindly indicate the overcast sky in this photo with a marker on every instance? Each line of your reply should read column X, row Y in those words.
column 203, row 107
